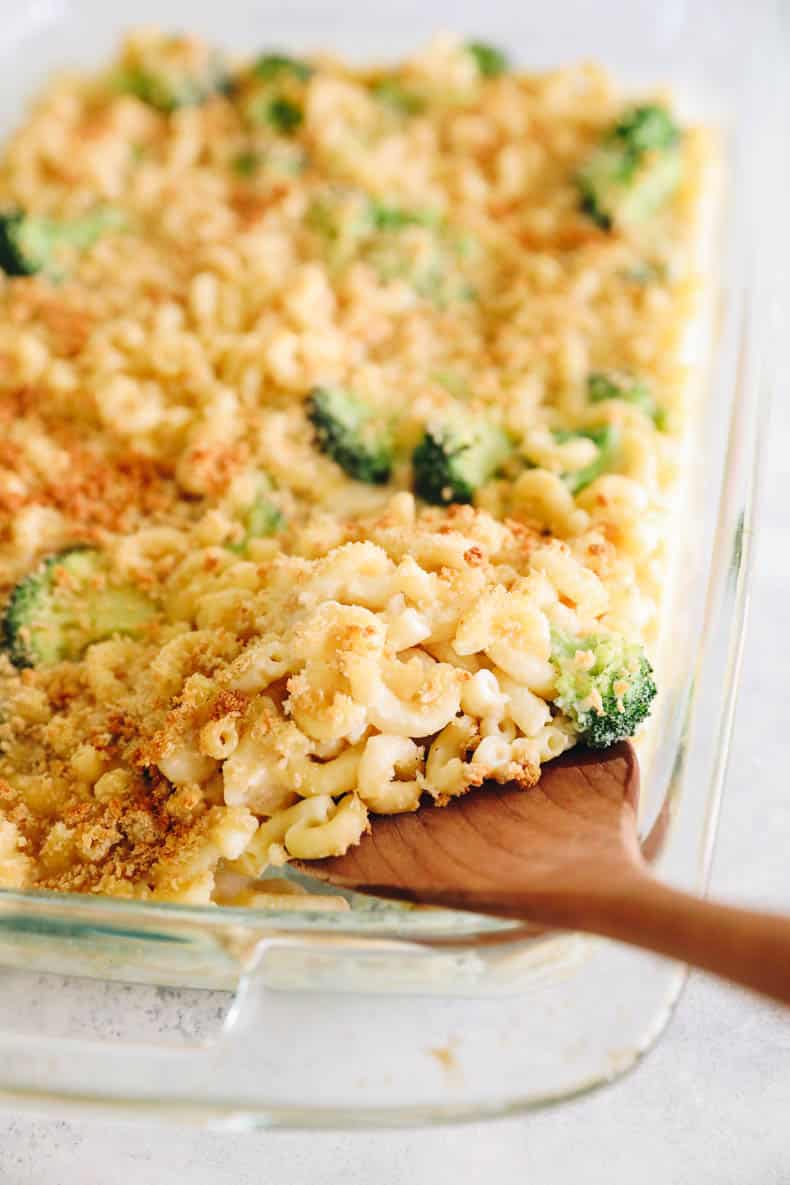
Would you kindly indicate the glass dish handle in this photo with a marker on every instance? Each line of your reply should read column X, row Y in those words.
column 241, row 1076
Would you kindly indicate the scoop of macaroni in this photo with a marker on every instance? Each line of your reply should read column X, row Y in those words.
column 270, row 708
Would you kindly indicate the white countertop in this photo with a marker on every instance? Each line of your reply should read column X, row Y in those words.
column 709, row 1106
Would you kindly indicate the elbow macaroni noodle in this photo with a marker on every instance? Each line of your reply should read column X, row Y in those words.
column 359, row 653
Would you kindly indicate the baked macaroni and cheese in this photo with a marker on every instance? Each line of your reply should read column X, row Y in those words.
column 342, row 412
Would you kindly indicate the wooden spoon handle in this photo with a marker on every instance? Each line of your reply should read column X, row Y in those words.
column 743, row 945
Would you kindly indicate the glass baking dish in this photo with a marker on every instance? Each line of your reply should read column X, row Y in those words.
column 381, row 1015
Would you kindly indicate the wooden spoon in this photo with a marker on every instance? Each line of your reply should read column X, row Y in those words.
column 566, row 854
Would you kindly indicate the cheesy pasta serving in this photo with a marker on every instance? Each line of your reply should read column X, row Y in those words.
column 342, row 412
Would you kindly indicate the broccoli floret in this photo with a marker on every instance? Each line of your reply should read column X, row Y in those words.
column 603, row 385
column 435, row 270
column 606, row 439
column 25, row 243
column 168, row 94
column 604, row 685
column 30, row 244
column 391, row 93
column 261, row 519
column 634, row 171
column 284, row 115
column 276, row 65
column 173, row 72
column 65, row 605
column 490, row 61
column 246, row 163
column 457, row 456
column 340, row 214
column 272, row 92
column 384, row 217
column 646, row 128
column 342, row 219
column 355, row 226
column 285, row 159
column 347, row 431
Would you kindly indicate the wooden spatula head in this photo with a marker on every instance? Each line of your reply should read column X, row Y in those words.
column 503, row 844
column 564, row 853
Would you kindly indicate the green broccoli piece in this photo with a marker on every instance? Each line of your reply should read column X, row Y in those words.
column 357, row 216
column 436, row 275
column 284, row 115
column 384, row 217
column 261, row 519
column 277, row 65
column 272, row 92
column 31, row 244
column 634, row 171
column 65, row 605
column 246, row 163
column 456, row 456
column 391, row 93
column 342, row 219
column 285, row 159
column 347, row 431
column 646, row 128
column 490, row 61
column 355, row 226
column 606, row 439
column 178, row 73
column 603, row 385
column 25, row 243
column 604, row 685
